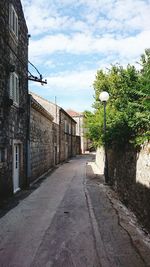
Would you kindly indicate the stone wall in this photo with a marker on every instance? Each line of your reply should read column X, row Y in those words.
column 41, row 141
column 129, row 173
column 99, row 159
column 143, row 166
column 13, row 118
column 52, row 108
column 56, row 143
column 78, row 145
column 67, row 139
column 74, row 144
column 80, row 130
column 67, row 135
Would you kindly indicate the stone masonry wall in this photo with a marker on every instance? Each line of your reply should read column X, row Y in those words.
column 56, row 143
column 64, row 138
column 13, row 119
column 129, row 172
column 67, row 140
column 41, row 144
column 99, row 159
column 80, row 131
column 52, row 108
column 78, row 145
column 67, row 137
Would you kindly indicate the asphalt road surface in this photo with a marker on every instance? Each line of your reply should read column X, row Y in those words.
column 68, row 221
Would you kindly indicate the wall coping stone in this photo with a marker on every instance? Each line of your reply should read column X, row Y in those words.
column 39, row 108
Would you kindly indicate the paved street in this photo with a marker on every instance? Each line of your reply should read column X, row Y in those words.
column 71, row 219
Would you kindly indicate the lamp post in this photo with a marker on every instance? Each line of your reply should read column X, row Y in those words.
column 104, row 96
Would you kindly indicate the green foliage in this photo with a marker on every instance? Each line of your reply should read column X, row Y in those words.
column 128, row 109
column 94, row 124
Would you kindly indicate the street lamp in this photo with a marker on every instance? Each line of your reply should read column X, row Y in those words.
column 104, row 96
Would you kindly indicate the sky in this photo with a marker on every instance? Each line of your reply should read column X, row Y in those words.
column 72, row 39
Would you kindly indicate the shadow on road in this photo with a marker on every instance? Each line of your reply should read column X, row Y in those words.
column 11, row 202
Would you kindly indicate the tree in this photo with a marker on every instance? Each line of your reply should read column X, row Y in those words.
column 128, row 109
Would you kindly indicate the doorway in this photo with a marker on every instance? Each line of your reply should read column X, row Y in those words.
column 16, row 167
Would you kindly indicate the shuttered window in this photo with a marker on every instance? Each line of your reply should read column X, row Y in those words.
column 69, row 128
column 14, row 88
column 65, row 126
column 13, row 21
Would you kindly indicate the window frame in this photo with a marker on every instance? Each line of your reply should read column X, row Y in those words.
column 66, row 126
column 13, row 21
column 14, row 88
column 69, row 126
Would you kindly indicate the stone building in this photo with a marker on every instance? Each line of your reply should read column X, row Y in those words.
column 67, row 135
column 41, row 145
column 66, row 147
column 13, row 96
column 80, row 129
column 55, row 143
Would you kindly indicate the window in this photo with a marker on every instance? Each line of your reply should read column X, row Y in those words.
column 14, row 88
column 66, row 126
column 73, row 130
column 13, row 20
column 69, row 128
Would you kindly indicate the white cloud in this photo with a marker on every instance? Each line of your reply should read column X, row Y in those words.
column 74, row 81
column 125, row 10
column 72, row 89
column 84, row 44
column 104, row 31
column 44, row 16
column 49, row 63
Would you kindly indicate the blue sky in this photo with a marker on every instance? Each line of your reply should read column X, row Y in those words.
column 72, row 39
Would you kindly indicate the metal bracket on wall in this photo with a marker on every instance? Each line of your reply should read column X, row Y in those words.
column 34, row 78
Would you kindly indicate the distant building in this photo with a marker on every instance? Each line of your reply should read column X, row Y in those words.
column 13, row 97
column 80, row 129
column 66, row 147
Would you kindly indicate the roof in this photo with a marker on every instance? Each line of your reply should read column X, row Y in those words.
column 73, row 113
column 68, row 115
column 41, row 109
column 46, row 105
column 46, row 100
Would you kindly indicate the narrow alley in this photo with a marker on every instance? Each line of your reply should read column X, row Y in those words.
column 71, row 219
